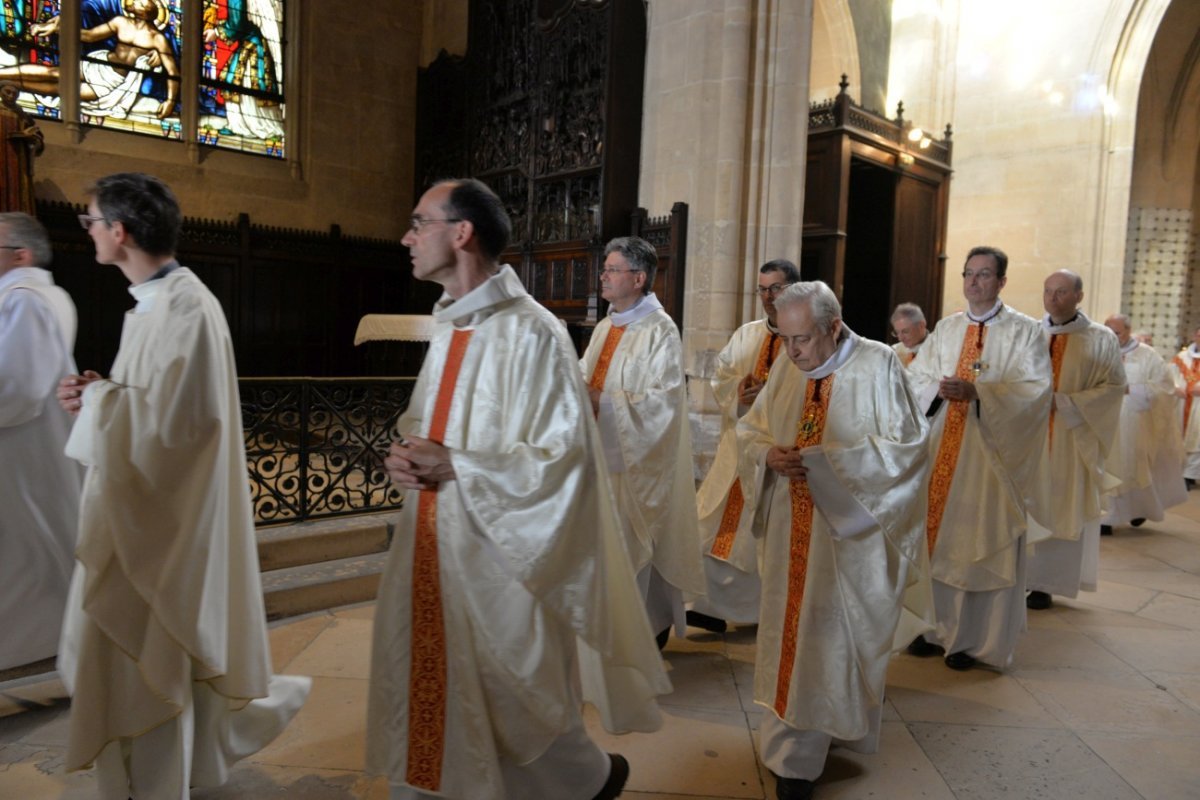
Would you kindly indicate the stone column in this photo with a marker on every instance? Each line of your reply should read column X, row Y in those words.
column 724, row 129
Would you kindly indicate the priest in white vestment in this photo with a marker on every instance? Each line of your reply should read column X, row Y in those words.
column 908, row 323
column 1089, row 384
column 1147, row 455
column 835, row 459
column 983, row 379
column 730, row 554
column 164, row 647
column 508, row 571
column 1185, row 371
column 40, row 493
column 634, row 370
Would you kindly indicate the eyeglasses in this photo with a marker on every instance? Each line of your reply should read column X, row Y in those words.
column 983, row 275
column 86, row 220
column 608, row 271
column 773, row 290
column 417, row 224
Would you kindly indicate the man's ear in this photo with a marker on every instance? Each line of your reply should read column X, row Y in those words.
column 119, row 233
column 464, row 232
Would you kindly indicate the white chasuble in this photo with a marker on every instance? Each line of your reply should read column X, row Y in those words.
column 39, row 494
column 646, row 388
column 1185, row 371
column 842, row 593
column 529, row 561
column 1089, row 384
column 728, row 545
column 1148, row 454
column 166, row 592
column 981, row 487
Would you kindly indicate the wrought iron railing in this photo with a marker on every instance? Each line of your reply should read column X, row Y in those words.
column 315, row 446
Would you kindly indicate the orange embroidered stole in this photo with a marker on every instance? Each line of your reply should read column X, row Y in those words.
column 727, row 532
column 1058, row 348
column 606, row 353
column 427, row 670
column 908, row 359
column 1190, row 377
column 811, row 430
column 952, row 434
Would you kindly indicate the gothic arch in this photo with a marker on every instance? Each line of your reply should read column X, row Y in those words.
column 834, row 50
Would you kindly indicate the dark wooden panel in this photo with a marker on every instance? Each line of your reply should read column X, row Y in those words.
column 292, row 298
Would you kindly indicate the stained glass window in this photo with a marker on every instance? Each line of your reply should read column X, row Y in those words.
column 129, row 68
column 29, row 53
column 131, row 61
column 241, row 80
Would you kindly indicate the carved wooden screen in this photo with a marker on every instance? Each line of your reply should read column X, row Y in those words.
column 546, row 109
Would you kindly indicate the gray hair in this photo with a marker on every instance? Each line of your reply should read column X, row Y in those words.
column 822, row 302
column 640, row 254
column 909, row 311
column 25, row 231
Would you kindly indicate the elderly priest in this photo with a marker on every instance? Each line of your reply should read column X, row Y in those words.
column 834, row 456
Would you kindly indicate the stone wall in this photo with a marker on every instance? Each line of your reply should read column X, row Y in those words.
column 354, row 97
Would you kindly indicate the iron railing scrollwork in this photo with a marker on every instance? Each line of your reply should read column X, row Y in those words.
column 315, row 447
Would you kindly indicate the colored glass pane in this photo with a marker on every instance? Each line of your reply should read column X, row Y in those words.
column 241, row 78
column 29, row 53
column 129, row 65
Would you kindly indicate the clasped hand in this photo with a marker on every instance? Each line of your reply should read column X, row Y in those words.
column 70, row 391
column 748, row 389
column 416, row 463
column 955, row 388
column 787, row 461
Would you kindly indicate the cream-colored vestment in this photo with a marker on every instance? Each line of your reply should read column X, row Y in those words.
column 644, row 426
column 1189, row 423
column 866, row 590
column 977, row 561
column 165, row 639
column 532, row 570
column 39, row 495
column 1064, row 529
column 1148, row 453
column 733, row 583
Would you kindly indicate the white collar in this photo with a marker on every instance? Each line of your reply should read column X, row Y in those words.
column 1079, row 323
column 840, row 356
column 480, row 303
column 1126, row 349
column 990, row 316
column 643, row 308
column 25, row 275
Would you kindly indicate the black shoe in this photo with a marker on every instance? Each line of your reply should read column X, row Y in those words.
column 705, row 622
column 1038, row 601
column 1189, row 483
column 663, row 636
column 923, row 649
column 960, row 661
column 1106, row 530
column 793, row 788
column 1137, row 523
column 617, row 775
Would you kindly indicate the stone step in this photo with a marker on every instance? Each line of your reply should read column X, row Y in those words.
column 302, row 589
column 285, row 546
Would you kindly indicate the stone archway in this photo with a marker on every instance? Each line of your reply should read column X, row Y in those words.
column 834, row 50
column 1161, row 279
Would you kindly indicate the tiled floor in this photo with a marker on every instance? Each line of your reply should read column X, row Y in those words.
column 1102, row 702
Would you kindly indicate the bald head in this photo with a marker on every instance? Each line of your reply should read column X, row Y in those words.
column 1062, row 293
column 1119, row 324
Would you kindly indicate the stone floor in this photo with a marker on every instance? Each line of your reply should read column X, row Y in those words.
column 1102, row 702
